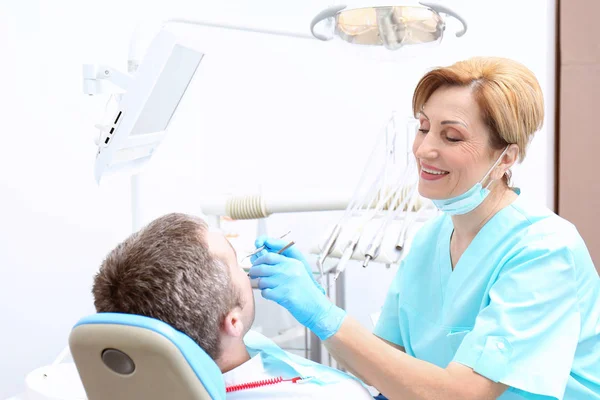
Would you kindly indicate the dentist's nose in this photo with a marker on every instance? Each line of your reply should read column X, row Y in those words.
column 425, row 146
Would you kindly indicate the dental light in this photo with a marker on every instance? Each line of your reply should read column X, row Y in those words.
column 390, row 27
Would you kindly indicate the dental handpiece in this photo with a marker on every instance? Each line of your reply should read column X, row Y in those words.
column 328, row 248
column 347, row 255
column 408, row 220
column 374, row 247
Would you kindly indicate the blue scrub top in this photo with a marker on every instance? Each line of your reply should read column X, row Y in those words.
column 522, row 306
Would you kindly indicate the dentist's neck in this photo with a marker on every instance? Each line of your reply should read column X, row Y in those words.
column 467, row 226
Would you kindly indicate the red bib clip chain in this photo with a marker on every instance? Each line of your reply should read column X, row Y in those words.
column 257, row 384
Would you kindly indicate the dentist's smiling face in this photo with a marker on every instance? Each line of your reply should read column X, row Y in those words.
column 452, row 147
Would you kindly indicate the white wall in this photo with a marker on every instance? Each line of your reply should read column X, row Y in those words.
column 262, row 111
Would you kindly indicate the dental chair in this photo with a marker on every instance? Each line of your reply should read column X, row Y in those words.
column 124, row 356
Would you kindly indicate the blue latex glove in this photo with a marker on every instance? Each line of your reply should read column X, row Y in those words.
column 274, row 245
column 285, row 281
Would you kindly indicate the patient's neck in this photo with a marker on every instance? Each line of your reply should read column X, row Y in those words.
column 233, row 355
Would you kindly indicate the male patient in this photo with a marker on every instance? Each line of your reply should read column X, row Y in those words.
column 177, row 271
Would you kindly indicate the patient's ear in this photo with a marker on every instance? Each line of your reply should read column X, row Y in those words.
column 233, row 325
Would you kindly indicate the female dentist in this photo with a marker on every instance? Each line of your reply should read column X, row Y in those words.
column 497, row 298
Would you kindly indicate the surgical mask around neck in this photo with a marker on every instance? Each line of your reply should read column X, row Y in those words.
column 471, row 199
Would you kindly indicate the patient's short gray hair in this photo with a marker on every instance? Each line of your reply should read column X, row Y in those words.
column 166, row 272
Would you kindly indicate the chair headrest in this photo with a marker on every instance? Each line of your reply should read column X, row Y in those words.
column 201, row 363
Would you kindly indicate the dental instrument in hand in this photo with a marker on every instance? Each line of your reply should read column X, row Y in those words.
column 261, row 248
column 284, row 248
column 287, row 246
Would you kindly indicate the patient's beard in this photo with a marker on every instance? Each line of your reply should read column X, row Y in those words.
column 233, row 355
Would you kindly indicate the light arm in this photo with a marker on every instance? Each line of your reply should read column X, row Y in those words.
column 224, row 25
column 136, row 53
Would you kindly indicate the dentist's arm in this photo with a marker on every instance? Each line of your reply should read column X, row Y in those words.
column 394, row 373
column 355, row 373
column 400, row 376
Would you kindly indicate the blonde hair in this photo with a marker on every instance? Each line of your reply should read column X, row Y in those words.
column 507, row 92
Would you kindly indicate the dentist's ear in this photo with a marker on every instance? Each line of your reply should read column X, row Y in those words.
column 510, row 157
column 232, row 324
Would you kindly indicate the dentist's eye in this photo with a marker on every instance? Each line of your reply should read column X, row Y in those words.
column 453, row 140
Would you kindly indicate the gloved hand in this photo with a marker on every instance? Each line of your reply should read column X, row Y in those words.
column 274, row 245
column 285, row 281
